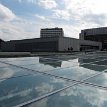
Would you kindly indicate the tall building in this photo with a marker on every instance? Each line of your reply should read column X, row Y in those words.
column 95, row 34
column 51, row 32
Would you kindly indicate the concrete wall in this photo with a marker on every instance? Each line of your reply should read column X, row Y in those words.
column 65, row 43
column 90, row 43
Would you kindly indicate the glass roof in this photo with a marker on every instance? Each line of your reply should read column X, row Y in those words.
column 54, row 81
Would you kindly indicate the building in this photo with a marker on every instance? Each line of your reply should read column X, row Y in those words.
column 0, row 43
column 36, row 44
column 51, row 39
column 50, row 62
column 95, row 34
column 51, row 32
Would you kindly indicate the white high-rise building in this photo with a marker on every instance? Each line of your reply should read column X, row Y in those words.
column 52, row 32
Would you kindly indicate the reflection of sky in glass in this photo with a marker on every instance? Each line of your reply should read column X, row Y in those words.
column 102, row 62
column 100, row 80
column 3, row 65
column 10, row 71
column 25, row 88
column 94, row 67
column 74, row 73
column 20, row 85
column 78, row 96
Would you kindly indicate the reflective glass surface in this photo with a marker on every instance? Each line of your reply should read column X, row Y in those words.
column 2, row 65
column 21, row 89
column 77, row 72
column 99, row 79
column 11, row 71
column 77, row 96
column 54, row 81
column 102, row 62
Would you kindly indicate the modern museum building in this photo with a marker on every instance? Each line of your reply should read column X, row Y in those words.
column 53, row 40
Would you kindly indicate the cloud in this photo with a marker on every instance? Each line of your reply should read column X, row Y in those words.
column 9, row 31
column 40, row 17
column 6, row 73
column 96, row 97
column 71, row 15
column 29, row 1
column 85, row 6
column 87, row 10
column 47, row 4
column 41, row 103
column 10, row 94
column 44, row 88
column 6, row 14
column 61, row 14
column 99, row 19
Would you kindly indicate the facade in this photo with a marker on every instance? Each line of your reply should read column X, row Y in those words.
column 95, row 34
column 52, row 40
column 66, row 43
column 49, row 44
column 50, row 62
column 51, row 32
column 1, row 43
column 32, row 45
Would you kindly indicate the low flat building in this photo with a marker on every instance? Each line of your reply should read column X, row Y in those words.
column 54, row 42
column 50, row 44
column 32, row 45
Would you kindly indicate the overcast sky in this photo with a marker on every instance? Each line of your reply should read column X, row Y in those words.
column 21, row 19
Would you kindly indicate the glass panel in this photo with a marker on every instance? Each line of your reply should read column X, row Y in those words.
column 61, row 57
column 43, row 64
column 94, row 67
column 21, row 89
column 86, row 60
column 3, row 65
column 77, row 73
column 77, row 96
column 10, row 71
column 101, row 58
column 43, row 67
column 70, row 63
column 101, row 62
column 99, row 80
column 18, row 90
column 23, row 61
column 17, row 59
column 50, row 65
column 46, row 66
column 63, row 64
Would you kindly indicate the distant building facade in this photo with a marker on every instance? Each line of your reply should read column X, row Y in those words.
column 51, row 33
column 95, row 34
column 1, row 43
column 36, row 44
column 49, row 61
column 51, row 39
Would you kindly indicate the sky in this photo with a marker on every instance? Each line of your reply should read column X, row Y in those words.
column 23, row 19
